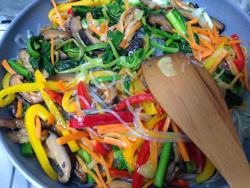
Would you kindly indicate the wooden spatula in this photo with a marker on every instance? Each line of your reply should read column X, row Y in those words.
column 193, row 100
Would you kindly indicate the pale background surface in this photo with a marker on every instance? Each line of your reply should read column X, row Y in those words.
column 10, row 177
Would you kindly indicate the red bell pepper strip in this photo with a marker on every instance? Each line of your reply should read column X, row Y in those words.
column 142, row 158
column 56, row 97
column 100, row 148
column 160, row 124
column 240, row 61
column 100, row 119
column 198, row 157
column 179, row 183
column 137, row 99
column 70, row 11
column 120, row 173
column 83, row 92
column 159, row 110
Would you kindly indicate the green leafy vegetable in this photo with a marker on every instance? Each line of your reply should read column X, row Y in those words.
column 184, row 45
column 67, row 64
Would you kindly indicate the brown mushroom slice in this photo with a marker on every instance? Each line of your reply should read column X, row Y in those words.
column 177, row 153
column 21, row 136
column 118, row 184
column 17, row 123
column 170, row 172
column 129, row 28
column 161, row 20
column 155, row 6
column 55, row 33
column 24, row 57
column 180, row 4
column 26, row 97
column 134, row 45
column 109, row 94
column 83, row 176
column 64, row 2
column 75, row 26
column 59, row 154
column 88, row 37
column 63, row 55
column 65, row 77
column 131, row 14
column 187, row 14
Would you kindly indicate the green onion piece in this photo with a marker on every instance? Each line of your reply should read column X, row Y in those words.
column 84, row 23
column 53, row 27
column 105, row 14
column 25, row 107
column 113, row 49
column 149, row 53
column 99, row 62
column 169, row 41
column 110, row 34
column 20, row 69
column 156, row 36
column 31, row 50
column 96, row 46
column 75, row 50
column 36, row 45
column 101, row 20
column 127, row 85
column 117, row 38
column 190, row 166
column 118, row 153
column 175, row 22
column 107, row 56
column 87, row 160
column 143, row 20
column 166, row 2
column 160, row 173
column 166, row 49
column 26, row 149
column 146, row 48
column 164, row 33
column 107, row 78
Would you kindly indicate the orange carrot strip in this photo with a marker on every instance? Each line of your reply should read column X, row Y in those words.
column 184, row 36
column 137, row 26
column 6, row 65
column 132, row 139
column 234, row 41
column 211, row 36
column 181, row 145
column 117, row 142
column 102, row 26
column 166, row 124
column 207, row 44
column 88, row 142
column 51, row 119
column 246, row 77
column 62, row 23
column 62, row 86
column 225, row 39
column 201, row 31
column 106, row 26
column 19, row 109
column 38, row 127
column 92, row 153
column 54, row 22
column 90, row 17
column 149, row 182
column 52, row 50
column 206, row 54
column 190, row 34
column 193, row 22
column 110, row 158
column 100, row 177
column 74, row 105
column 108, row 126
column 198, row 47
column 127, row 4
column 74, row 136
column 59, row 129
column 95, row 30
column 113, row 130
column 100, row 55
column 106, row 169
column 126, row 46
column 217, row 61
column 216, row 34
column 195, row 30
column 125, row 26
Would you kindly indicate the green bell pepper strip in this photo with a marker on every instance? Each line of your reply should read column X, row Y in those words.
column 166, row 49
column 32, row 112
column 207, row 172
column 113, row 49
column 20, row 69
column 162, row 166
column 31, row 50
column 40, row 80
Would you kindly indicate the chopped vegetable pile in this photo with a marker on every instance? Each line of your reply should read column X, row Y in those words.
column 78, row 92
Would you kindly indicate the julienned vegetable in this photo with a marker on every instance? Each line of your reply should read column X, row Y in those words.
column 97, row 100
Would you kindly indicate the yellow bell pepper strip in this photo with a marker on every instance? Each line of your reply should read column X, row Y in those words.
column 67, row 106
column 150, row 124
column 129, row 154
column 207, row 172
column 31, row 113
column 66, row 7
column 149, row 108
column 6, row 83
column 52, row 107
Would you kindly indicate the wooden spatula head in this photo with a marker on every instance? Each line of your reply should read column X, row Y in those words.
column 193, row 100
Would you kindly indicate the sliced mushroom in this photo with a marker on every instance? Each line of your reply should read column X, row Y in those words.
column 131, row 14
column 63, row 55
column 60, row 156
column 177, row 153
column 65, row 77
column 155, row 6
column 24, row 57
column 187, row 14
column 21, row 136
column 44, row 73
column 171, row 171
column 119, row 184
column 55, row 33
column 26, row 97
column 75, row 26
column 88, row 37
column 134, row 45
column 129, row 28
column 110, row 94
column 180, row 4
column 161, row 20
column 82, row 176
column 17, row 123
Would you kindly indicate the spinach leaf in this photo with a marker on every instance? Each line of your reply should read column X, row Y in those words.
column 184, row 45
column 82, row 10
column 67, row 64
